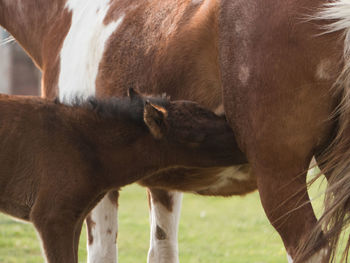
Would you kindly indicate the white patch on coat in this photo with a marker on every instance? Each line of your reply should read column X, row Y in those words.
column 197, row 2
column 166, row 250
column 227, row 175
column 323, row 71
column 244, row 73
column 290, row 260
column 104, row 248
column 219, row 110
column 83, row 47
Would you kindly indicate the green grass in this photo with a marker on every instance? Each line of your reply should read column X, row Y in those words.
column 215, row 230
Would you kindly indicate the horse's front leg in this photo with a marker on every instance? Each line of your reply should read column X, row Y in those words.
column 102, row 226
column 58, row 224
column 58, row 241
column 165, row 208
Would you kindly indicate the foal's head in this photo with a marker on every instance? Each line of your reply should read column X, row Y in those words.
column 186, row 127
column 159, row 133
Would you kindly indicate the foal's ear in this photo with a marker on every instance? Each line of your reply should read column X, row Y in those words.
column 133, row 94
column 154, row 117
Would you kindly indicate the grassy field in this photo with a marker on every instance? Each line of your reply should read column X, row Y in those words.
column 215, row 230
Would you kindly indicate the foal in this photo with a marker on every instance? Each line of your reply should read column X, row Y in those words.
column 58, row 161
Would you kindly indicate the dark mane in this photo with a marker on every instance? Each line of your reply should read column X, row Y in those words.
column 118, row 107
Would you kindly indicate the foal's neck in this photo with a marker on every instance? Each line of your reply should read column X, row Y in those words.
column 35, row 24
column 123, row 146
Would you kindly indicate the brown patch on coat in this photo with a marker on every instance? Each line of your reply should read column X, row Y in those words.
column 90, row 224
column 160, row 233
column 163, row 197
column 113, row 196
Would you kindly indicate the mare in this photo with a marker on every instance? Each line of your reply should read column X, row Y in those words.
column 280, row 76
column 58, row 161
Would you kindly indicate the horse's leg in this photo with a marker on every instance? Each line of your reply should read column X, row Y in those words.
column 58, row 241
column 56, row 229
column 283, row 193
column 102, row 226
column 165, row 208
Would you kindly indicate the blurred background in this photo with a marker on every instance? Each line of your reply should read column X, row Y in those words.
column 18, row 74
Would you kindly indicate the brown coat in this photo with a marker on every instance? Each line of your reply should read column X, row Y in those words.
column 58, row 161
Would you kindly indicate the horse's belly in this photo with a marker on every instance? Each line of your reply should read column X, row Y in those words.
column 234, row 180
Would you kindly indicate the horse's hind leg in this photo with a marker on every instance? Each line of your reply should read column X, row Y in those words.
column 283, row 193
column 165, row 208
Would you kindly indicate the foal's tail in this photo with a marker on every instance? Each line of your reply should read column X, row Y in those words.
column 336, row 216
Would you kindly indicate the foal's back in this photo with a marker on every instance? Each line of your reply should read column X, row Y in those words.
column 35, row 143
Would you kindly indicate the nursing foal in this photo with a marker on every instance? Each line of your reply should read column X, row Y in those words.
column 58, row 161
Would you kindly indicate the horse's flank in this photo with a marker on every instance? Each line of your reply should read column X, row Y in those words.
column 279, row 101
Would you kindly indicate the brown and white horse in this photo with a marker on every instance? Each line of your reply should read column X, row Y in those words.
column 275, row 69
column 58, row 161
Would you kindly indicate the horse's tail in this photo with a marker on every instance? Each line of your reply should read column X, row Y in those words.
column 336, row 159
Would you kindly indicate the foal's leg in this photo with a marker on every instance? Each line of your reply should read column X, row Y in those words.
column 57, row 230
column 58, row 242
column 165, row 208
column 102, row 226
